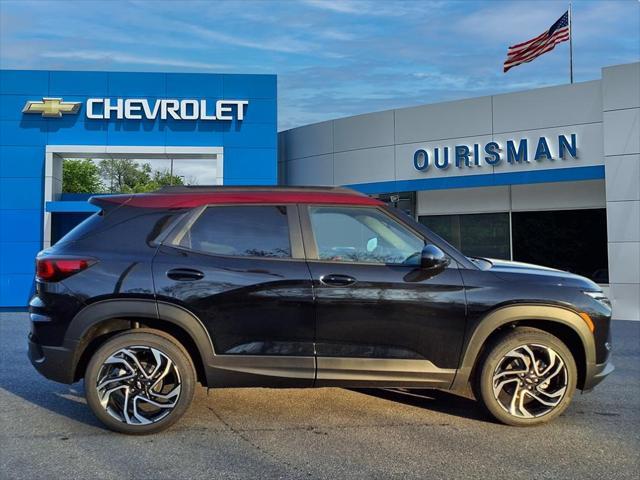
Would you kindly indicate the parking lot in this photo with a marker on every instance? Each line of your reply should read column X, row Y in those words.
column 46, row 431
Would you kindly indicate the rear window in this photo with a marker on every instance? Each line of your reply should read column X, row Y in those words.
column 83, row 228
column 246, row 231
column 123, row 226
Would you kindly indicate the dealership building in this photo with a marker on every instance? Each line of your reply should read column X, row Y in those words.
column 549, row 176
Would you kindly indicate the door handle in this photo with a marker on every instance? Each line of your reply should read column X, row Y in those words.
column 337, row 280
column 185, row 274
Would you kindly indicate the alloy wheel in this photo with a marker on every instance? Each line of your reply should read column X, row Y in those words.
column 530, row 381
column 138, row 385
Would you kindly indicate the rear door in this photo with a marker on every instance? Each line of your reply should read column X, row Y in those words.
column 241, row 271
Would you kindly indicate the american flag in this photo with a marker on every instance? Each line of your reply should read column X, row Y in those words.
column 531, row 49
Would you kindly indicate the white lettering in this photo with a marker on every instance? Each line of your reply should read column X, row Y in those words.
column 170, row 107
column 148, row 113
column 187, row 109
column 203, row 111
column 240, row 105
column 117, row 108
column 132, row 105
column 221, row 110
column 195, row 109
column 90, row 103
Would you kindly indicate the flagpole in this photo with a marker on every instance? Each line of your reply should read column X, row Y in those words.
column 570, row 44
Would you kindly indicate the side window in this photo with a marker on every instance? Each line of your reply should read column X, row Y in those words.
column 246, row 231
column 351, row 234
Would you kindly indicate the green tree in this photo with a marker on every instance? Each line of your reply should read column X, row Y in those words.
column 124, row 175
column 127, row 176
column 81, row 176
column 164, row 178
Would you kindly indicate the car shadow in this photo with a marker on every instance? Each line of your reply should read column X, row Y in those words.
column 435, row 400
column 64, row 400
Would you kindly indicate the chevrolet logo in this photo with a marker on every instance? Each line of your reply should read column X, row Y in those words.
column 51, row 107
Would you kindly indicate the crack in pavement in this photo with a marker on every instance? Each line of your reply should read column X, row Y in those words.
column 239, row 434
column 319, row 429
column 344, row 427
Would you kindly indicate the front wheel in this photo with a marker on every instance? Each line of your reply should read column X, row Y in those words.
column 139, row 382
column 527, row 377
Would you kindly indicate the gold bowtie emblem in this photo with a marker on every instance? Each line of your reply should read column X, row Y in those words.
column 51, row 107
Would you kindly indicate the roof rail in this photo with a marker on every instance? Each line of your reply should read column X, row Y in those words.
column 252, row 188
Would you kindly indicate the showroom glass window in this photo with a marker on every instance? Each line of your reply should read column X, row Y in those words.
column 245, row 231
column 475, row 235
column 352, row 234
column 571, row 240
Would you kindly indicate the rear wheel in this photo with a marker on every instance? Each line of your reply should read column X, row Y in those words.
column 140, row 382
column 527, row 377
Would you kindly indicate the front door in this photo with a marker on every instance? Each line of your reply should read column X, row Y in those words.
column 381, row 319
column 241, row 271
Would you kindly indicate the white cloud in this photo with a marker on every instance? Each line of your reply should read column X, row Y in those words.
column 338, row 6
column 516, row 22
column 509, row 24
column 117, row 57
column 375, row 7
column 339, row 35
column 274, row 43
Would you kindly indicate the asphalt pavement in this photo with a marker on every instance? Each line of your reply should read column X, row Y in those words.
column 48, row 432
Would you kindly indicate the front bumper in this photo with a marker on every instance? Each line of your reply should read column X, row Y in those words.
column 597, row 373
column 55, row 363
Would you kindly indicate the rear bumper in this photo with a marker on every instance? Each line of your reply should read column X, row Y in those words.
column 55, row 363
column 597, row 373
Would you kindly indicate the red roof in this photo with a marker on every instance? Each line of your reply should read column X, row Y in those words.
column 236, row 196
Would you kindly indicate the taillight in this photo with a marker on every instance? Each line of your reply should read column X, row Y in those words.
column 51, row 269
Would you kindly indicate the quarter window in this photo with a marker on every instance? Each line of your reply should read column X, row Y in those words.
column 246, row 231
column 350, row 234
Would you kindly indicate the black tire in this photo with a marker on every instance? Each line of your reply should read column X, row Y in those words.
column 142, row 341
column 494, row 362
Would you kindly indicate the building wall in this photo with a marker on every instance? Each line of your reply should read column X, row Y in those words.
column 374, row 152
column 250, row 150
column 621, row 115
column 514, row 198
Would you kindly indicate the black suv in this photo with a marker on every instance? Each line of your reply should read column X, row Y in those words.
column 300, row 287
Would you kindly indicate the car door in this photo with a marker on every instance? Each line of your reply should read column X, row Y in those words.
column 380, row 318
column 241, row 271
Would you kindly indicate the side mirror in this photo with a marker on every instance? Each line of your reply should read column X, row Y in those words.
column 432, row 258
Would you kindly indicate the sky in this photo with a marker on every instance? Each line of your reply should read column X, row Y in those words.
column 333, row 58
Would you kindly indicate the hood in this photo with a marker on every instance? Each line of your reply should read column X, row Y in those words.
column 529, row 272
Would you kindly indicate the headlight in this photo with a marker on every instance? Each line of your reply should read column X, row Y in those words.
column 599, row 297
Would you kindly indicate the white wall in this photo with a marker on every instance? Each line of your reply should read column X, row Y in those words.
column 523, row 198
column 621, row 115
column 463, row 200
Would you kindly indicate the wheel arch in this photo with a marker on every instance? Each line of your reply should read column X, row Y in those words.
column 561, row 322
column 99, row 321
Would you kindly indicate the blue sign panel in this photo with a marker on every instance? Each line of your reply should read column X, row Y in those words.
column 40, row 108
